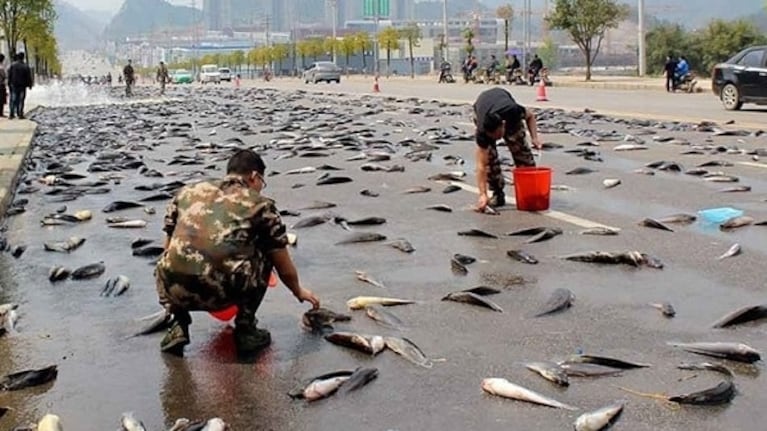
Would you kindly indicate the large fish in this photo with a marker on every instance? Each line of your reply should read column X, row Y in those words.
column 560, row 299
column 736, row 222
column 358, row 237
column 320, row 389
column 601, row 419
column 546, row 235
column 28, row 378
column 473, row 299
column 607, row 362
column 578, row 369
column 408, row 350
column 504, row 388
column 299, row 392
column 360, row 302
column 88, row 271
column 322, row 319
column 67, row 246
column 477, row 233
column 383, row 317
column 733, row 351
column 116, row 286
column 121, row 205
column 522, row 256
column 722, row 393
column 742, row 315
column 370, row 344
column 358, row 379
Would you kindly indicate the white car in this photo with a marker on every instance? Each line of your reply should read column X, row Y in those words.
column 226, row 74
column 209, row 74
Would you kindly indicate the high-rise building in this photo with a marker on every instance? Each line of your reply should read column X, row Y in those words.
column 279, row 17
column 402, row 10
column 217, row 14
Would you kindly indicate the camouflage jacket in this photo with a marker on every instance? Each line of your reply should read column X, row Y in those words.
column 220, row 227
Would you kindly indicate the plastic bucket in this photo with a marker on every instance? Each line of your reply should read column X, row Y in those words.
column 228, row 314
column 532, row 188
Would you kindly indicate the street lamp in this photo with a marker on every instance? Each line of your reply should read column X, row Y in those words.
column 445, row 31
column 641, row 41
column 334, row 6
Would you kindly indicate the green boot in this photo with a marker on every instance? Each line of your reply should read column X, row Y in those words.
column 177, row 337
column 250, row 339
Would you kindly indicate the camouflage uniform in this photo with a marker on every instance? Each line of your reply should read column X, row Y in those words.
column 163, row 77
column 221, row 233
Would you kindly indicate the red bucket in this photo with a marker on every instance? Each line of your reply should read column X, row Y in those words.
column 228, row 314
column 532, row 188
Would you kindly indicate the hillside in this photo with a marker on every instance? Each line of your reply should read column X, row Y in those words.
column 74, row 29
column 143, row 16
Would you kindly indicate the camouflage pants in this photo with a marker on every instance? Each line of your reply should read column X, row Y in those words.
column 520, row 152
column 162, row 86
column 181, row 293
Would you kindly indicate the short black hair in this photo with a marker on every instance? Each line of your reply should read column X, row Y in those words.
column 244, row 162
column 491, row 122
column 2, row 56
column 20, row 56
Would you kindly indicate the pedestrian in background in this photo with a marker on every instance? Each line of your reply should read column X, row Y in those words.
column 3, row 83
column 162, row 77
column 670, row 70
column 19, row 79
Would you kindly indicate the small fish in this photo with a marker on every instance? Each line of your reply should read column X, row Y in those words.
column 120, row 205
column 463, row 259
column 441, row 208
column 310, row 222
column 334, row 180
column 403, row 245
column 322, row 319
column 159, row 321
column 369, row 193
column 549, row 371
column 733, row 351
column 59, row 273
column 504, row 388
column 738, row 189
column 359, row 237
column 319, row 205
column 678, row 218
column 128, row 224
column 383, row 316
column 601, row 419
column 366, row 221
column 736, row 222
column 719, row 368
column 733, row 251
column 697, row 172
column 630, row 147
column 458, row 268
column 546, row 235
column 561, row 299
column 408, row 350
column 49, row 422
column 140, row 242
column 299, row 392
column 116, row 286
column 363, row 276
column 611, row 182
column 360, row 302
column 643, row 171
column 655, row 224
column 606, row 362
column 722, row 393
column 528, row 232
column 603, row 231
column 149, row 251
column 522, row 256
column 89, row 271
column 370, row 344
column 715, row 163
column 130, row 423
column 450, row 189
column 473, row 299
column 577, row 369
column 360, row 378
column 28, row 378
column 419, row 189
column 665, row 308
column 580, row 171
column 304, row 170
column 320, row 389
column 67, row 246
column 477, row 233
column 742, row 315
column 722, row 179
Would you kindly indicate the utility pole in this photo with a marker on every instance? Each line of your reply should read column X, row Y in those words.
column 446, row 32
column 334, row 7
column 641, row 40
column 524, row 35
column 195, row 37
column 376, row 4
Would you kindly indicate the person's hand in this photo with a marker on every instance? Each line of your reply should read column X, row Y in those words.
column 537, row 143
column 482, row 202
column 304, row 295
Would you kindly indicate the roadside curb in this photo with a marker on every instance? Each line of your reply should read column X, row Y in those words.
column 15, row 144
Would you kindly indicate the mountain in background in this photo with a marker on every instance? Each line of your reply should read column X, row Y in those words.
column 144, row 16
column 75, row 29
column 102, row 17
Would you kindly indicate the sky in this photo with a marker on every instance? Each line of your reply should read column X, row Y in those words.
column 114, row 5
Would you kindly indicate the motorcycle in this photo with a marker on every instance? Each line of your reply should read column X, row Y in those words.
column 515, row 77
column 490, row 77
column 267, row 75
column 538, row 75
column 446, row 76
column 686, row 83
column 470, row 76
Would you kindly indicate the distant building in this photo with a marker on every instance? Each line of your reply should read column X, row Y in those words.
column 278, row 12
column 217, row 14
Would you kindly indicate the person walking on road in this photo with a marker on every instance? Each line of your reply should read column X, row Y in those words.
column 223, row 240
column 130, row 77
column 3, row 84
column 497, row 115
column 162, row 76
column 670, row 71
column 19, row 79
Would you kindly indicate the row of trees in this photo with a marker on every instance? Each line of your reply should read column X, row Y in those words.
column 31, row 22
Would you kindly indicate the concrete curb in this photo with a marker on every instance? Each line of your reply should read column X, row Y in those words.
column 15, row 147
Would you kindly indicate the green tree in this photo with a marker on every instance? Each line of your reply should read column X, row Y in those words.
column 279, row 52
column 388, row 39
column 364, row 44
column 20, row 19
column 316, row 48
column 304, row 49
column 238, row 59
column 663, row 40
column 506, row 13
column 412, row 34
column 41, row 47
column 348, row 48
column 720, row 39
column 549, row 53
column 468, row 35
column 330, row 46
column 586, row 21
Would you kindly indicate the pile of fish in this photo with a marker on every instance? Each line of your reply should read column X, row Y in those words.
column 124, row 158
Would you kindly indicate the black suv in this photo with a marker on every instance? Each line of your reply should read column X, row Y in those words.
column 742, row 78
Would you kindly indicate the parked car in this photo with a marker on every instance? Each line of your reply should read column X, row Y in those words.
column 226, row 74
column 322, row 71
column 742, row 78
column 209, row 74
column 181, row 76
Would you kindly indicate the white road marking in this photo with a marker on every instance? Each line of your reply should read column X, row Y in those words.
column 557, row 215
column 753, row 164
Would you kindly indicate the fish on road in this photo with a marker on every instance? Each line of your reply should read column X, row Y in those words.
column 504, row 388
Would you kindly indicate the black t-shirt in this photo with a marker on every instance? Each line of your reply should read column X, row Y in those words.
column 671, row 66
column 500, row 102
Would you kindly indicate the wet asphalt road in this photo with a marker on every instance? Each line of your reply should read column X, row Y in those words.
column 70, row 325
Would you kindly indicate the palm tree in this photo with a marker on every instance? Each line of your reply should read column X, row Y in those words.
column 411, row 33
column 506, row 13
column 388, row 39
column 468, row 34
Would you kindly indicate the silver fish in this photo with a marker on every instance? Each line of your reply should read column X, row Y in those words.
column 603, row 231
column 733, row 251
column 561, row 299
column 473, row 299
column 383, row 317
column 320, row 389
column 128, row 224
column 370, row 344
column 408, row 350
column 549, row 371
column 733, row 351
column 736, row 222
column 67, row 246
column 360, row 302
column 504, row 388
column 665, row 308
column 742, row 315
column 363, row 276
column 129, row 423
column 611, row 182
column 600, row 419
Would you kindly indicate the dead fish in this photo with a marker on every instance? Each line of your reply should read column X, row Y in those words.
column 322, row 319
column 159, row 321
column 450, row 189
column 580, row 171
column 304, row 170
column 665, row 308
column 477, row 233
column 116, row 286
column 366, row 221
column 58, row 273
column 630, row 147
column 742, row 315
column 150, row 251
column 600, row 419
column 458, row 268
column 130, row 423
column 310, row 222
column 164, row 196
column 360, row 302
column 722, row 179
column 633, row 258
column 89, row 271
column 736, row 222
column 546, row 235
column 408, row 350
column 738, row 189
column 49, row 422
column 697, row 172
column 578, row 369
column 370, row 344
column 722, row 393
column 528, row 232
column 28, row 378
column 561, row 299
column 67, row 246
column 320, row 389
column 522, row 256
column 678, row 218
column 403, row 245
column 319, row 205
column 708, row 366
column 504, row 388
column 733, row 351
column 299, row 392
column 606, row 362
column 363, row 276
column 333, row 180
column 441, row 207
column 611, row 182
column 482, row 291
column 419, row 189
column 383, row 317
column 120, row 205
column 463, row 259
column 150, row 210
column 644, row 171
column 369, row 193
column 360, row 378
column 549, row 371
column 359, row 237
column 711, row 163
column 473, row 299
column 128, row 224
column 603, row 231
column 655, row 224
column 733, row 251
column 140, row 242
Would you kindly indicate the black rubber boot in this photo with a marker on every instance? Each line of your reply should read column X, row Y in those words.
column 178, row 335
column 498, row 200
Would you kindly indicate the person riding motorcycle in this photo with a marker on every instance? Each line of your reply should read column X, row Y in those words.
column 469, row 67
column 682, row 70
column 444, row 72
column 512, row 66
column 534, row 69
column 493, row 68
